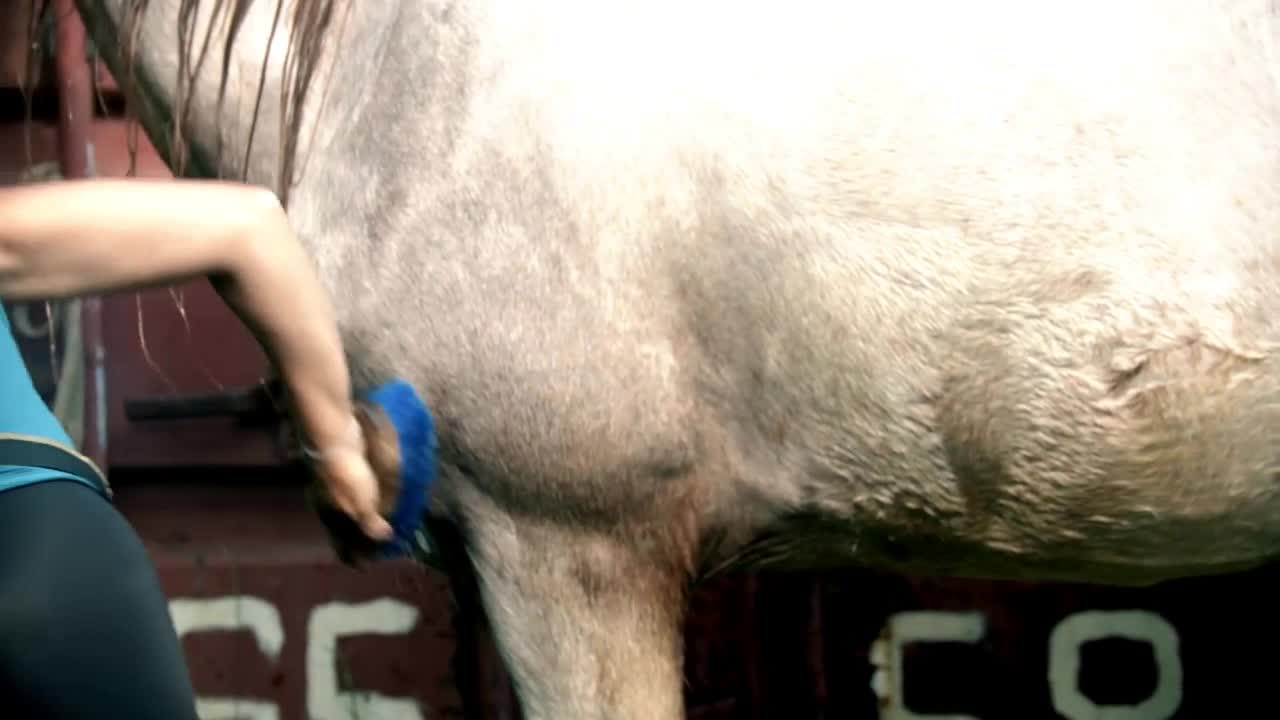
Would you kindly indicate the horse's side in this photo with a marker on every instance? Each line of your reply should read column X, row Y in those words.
column 982, row 289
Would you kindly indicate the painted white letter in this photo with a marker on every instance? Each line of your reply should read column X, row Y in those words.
column 334, row 620
column 1080, row 628
column 232, row 614
column 905, row 628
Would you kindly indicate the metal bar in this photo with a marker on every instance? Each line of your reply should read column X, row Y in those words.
column 250, row 405
column 75, row 118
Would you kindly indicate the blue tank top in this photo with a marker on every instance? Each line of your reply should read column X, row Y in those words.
column 24, row 412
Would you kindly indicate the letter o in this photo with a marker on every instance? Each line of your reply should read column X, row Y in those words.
column 1138, row 625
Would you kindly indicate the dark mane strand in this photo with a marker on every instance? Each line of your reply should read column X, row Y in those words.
column 311, row 23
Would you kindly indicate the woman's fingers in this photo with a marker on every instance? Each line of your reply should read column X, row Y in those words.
column 353, row 489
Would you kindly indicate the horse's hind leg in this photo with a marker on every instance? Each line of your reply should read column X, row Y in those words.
column 589, row 626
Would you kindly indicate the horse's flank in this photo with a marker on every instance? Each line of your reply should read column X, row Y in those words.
column 1025, row 332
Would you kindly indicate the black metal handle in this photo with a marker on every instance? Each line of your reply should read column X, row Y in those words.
column 254, row 404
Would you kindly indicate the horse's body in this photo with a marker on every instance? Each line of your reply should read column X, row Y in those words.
column 982, row 288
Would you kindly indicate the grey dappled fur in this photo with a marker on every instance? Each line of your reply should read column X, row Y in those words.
column 983, row 288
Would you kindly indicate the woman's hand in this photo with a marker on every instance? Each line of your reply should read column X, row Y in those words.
column 350, row 483
column 354, row 542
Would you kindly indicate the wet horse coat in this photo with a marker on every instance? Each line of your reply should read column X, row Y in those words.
column 984, row 288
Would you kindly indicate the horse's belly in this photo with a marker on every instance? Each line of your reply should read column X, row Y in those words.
column 1145, row 552
column 1072, row 418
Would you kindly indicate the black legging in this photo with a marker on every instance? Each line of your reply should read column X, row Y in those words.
column 84, row 626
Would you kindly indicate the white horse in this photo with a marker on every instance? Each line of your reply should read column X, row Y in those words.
column 986, row 288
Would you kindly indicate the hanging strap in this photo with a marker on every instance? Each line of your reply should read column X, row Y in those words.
column 30, row 451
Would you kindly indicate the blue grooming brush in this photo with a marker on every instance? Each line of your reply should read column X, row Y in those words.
column 416, row 436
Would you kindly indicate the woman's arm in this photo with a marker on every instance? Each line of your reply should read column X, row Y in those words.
column 87, row 236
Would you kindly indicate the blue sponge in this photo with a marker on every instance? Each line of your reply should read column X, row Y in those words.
column 416, row 432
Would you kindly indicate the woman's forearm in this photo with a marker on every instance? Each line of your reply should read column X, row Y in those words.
column 276, row 293
column 80, row 237
column 87, row 236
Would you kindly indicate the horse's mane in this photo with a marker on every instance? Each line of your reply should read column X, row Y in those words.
column 310, row 23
